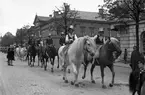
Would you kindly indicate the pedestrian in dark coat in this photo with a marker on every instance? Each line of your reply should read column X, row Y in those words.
column 10, row 56
column 125, row 55
column 135, row 58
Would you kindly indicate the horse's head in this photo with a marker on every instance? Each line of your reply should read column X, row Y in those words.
column 89, row 45
column 114, row 47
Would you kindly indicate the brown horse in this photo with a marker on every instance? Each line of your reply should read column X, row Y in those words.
column 108, row 53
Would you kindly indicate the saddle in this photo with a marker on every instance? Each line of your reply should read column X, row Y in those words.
column 65, row 49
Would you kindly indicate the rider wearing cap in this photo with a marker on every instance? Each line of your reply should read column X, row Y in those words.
column 62, row 39
column 70, row 37
column 49, row 41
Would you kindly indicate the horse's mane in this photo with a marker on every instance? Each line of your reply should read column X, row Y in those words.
column 78, row 45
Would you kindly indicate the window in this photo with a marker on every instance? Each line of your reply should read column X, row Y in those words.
column 91, row 30
column 83, row 28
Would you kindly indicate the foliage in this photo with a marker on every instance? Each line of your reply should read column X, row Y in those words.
column 67, row 16
column 123, row 10
column 7, row 39
column 21, row 34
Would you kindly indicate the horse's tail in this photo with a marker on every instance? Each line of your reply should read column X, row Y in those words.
column 132, row 82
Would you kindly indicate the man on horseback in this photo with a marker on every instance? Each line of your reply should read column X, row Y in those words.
column 49, row 41
column 100, row 40
column 62, row 39
column 70, row 37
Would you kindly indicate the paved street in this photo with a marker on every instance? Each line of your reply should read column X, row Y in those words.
column 21, row 79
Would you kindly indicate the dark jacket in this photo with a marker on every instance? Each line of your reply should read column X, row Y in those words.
column 10, row 54
column 62, row 40
column 135, row 58
column 49, row 41
column 98, row 41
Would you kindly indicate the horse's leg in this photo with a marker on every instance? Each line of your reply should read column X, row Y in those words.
column 30, row 60
column 33, row 59
column 85, row 68
column 102, row 75
column 58, row 61
column 52, row 61
column 64, row 72
column 76, row 73
column 92, row 69
column 38, row 59
column 111, row 67
column 45, row 63
column 42, row 61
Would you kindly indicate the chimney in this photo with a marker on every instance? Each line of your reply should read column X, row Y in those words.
column 67, row 7
column 50, row 15
column 101, row 11
column 55, row 13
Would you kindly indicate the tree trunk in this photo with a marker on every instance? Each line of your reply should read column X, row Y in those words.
column 137, row 35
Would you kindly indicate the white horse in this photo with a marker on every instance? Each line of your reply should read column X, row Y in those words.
column 75, row 55
column 61, row 56
column 61, row 53
column 21, row 52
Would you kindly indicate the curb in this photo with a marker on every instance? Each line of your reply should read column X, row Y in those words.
column 118, row 65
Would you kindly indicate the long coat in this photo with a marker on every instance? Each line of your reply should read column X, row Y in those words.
column 135, row 58
column 10, row 54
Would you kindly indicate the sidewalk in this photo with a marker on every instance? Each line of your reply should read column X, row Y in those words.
column 121, row 64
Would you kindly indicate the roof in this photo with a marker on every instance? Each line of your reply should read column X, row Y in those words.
column 84, row 15
column 41, row 18
column 90, row 16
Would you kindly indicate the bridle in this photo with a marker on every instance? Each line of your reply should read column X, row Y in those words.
column 87, row 50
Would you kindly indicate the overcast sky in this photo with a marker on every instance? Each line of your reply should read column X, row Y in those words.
column 17, row 13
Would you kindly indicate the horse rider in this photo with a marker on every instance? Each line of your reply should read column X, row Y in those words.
column 49, row 41
column 38, row 41
column 100, row 40
column 70, row 37
column 62, row 39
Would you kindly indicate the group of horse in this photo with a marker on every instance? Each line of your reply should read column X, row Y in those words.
column 83, row 50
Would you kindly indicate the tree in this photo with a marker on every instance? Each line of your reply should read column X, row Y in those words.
column 7, row 39
column 124, row 10
column 67, row 17
column 21, row 34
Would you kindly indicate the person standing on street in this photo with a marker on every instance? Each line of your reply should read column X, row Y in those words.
column 125, row 55
column 10, row 55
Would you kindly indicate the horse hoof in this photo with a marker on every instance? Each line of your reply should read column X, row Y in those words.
column 77, row 85
column 72, row 83
column 52, row 70
column 104, row 86
column 63, row 78
column 57, row 66
column 83, row 77
column 69, row 71
column 111, row 85
column 66, row 81
column 93, row 81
